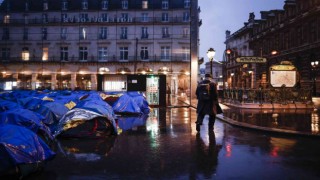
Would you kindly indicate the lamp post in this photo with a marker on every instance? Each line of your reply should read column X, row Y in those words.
column 210, row 53
column 315, row 65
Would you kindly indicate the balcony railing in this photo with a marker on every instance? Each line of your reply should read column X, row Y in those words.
column 33, row 59
column 267, row 96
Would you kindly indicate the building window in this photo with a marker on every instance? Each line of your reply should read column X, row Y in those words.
column 144, row 54
column 25, row 33
column 165, row 32
column 186, row 17
column 6, row 19
column 103, row 54
column 185, row 53
column 83, row 53
column 45, row 6
column 64, row 53
column 165, row 52
column 124, row 51
column 104, row 17
column 44, row 33
column 185, row 32
column 124, row 17
column 25, row 54
column 145, row 17
column 84, row 4
column 187, row 3
column 45, row 54
column 6, row 34
column 165, row 4
column 64, row 17
column 84, row 17
column 26, row 6
column 124, row 4
column 83, row 33
column 165, row 17
column 26, row 19
column 103, row 33
column 124, row 33
column 63, row 33
column 5, row 53
column 64, row 5
column 144, row 33
column 144, row 4
column 45, row 18
column 104, row 5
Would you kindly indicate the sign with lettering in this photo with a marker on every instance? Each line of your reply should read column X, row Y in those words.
column 251, row 59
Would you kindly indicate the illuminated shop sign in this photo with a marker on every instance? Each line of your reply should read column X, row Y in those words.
column 251, row 59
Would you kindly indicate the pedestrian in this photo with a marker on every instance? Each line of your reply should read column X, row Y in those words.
column 207, row 101
column 169, row 94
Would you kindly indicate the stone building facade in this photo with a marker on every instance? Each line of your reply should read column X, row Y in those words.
column 69, row 44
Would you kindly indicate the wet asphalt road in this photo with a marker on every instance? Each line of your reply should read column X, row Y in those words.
column 167, row 146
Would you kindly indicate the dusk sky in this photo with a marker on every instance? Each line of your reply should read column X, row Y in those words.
column 221, row 15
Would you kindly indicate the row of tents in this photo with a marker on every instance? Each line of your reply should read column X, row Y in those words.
column 30, row 122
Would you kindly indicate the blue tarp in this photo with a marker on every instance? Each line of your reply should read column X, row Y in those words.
column 126, row 105
column 52, row 112
column 130, row 122
column 26, row 118
column 19, row 145
column 7, row 105
column 140, row 100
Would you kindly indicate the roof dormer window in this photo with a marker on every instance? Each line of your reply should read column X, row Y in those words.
column 144, row 4
column 165, row 4
column 104, row 4
column 124, row 4
column 84, row 4
column 187, row 3
column 45, row 5
column 64, row 5
column 26, row 6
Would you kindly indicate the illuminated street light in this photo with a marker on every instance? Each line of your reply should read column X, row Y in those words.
column 315, row 66
column 210, row 53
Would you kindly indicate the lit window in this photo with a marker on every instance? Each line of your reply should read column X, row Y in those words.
column 83, row 33
column 187, row 3
column 165, row 4
column 124, row 51
column 104, row 5
column 83, row 53
column 6, row 19
column 103, row 33
column 124, row 4
column 144, row 4
column 45, row 54
column 64, row 53
column 165, row 52
column 84, row 4
column 25, row 54
column 103, row 54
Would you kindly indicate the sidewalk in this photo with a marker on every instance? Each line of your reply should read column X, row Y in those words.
column 285, row 111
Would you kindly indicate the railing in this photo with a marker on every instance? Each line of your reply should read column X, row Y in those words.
column 266, row 96
column 178, row 58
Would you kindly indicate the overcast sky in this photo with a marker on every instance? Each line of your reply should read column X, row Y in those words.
column 221, row 15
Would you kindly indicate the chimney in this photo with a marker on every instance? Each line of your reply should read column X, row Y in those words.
column 228, row 33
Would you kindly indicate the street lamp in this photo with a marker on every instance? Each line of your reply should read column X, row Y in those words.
column 315, row 65
column 210, row 53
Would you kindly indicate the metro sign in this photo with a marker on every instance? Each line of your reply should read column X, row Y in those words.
column 251, row 59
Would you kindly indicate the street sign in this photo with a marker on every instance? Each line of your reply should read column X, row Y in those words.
column 251, row 59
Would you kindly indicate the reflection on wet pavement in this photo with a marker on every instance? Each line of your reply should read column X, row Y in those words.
column 167, row 146
column 302, row 120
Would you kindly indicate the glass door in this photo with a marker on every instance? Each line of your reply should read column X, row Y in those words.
column 153, row 90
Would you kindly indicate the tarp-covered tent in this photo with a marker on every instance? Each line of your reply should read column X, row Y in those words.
column 22, row 148
column 129, row 122
column 26, row 118
column 7, row 105
column 126, row 105
column 52, row 112
column 140, row 100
